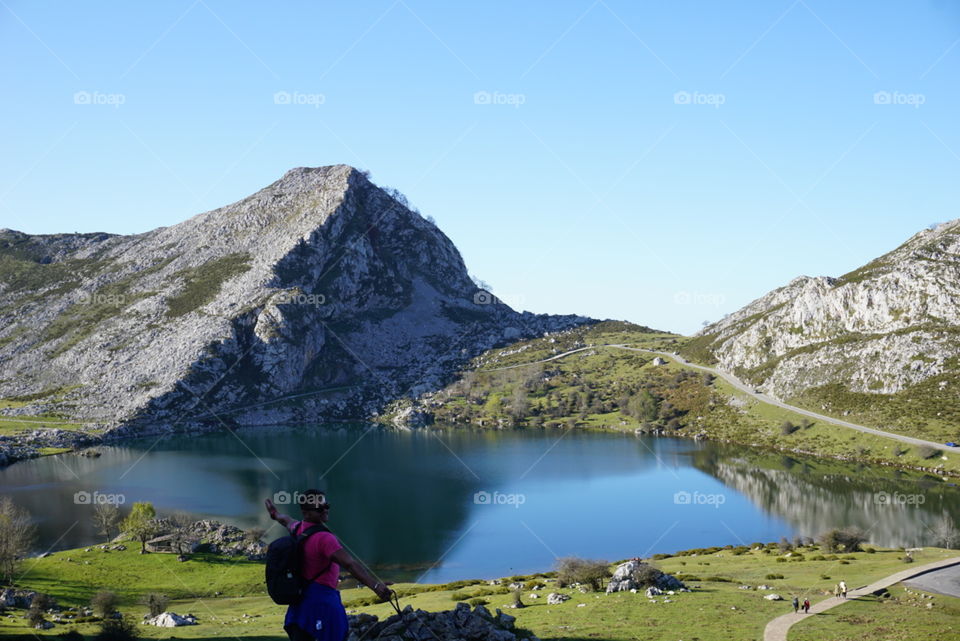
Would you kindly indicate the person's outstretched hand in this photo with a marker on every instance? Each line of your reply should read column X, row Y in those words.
column 384, row 592
column 271, row 508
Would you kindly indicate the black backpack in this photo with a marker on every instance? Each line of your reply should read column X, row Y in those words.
column 285, row 584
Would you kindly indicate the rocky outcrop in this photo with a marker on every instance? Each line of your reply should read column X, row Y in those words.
column 170, row 620
column 319, row 297
column 879, row 329
column 211, row 536
column 459, row 624
column 635, row 574
column 16, row 598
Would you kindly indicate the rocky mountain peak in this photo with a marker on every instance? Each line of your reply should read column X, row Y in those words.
column 881, row 328
column 318, row 296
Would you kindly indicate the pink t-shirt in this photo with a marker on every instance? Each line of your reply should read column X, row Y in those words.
column 317, row 551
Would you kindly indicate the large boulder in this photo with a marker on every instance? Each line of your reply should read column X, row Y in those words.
column 635, row 574
column 171, row 620
column 15, row 598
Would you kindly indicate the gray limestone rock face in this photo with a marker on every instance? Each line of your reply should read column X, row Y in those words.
column 890, row 324
column 321, row 296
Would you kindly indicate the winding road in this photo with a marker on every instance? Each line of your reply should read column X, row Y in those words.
column 737, row 383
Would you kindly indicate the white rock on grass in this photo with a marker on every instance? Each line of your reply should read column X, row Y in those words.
column 171, row 620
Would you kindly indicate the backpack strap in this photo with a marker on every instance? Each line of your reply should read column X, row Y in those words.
column 306, row 534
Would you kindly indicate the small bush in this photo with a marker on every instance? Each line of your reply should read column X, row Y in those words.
column 458, row 596
column 104, row 603
column 825, row 577
column 870, row 550
column 478, row 601
column 156, row 603
column 927, row 452
column 646, row 575
column 118, row 630
column 787, row 428
column 771, row 577
column 847, row 540
column 781, row 559
column 718, row 579
column 575, row 570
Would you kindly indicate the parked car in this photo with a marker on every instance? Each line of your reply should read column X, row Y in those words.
column 951, row 444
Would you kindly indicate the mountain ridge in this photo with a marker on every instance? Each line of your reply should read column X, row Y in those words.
column 319, row 280
column 882, row 330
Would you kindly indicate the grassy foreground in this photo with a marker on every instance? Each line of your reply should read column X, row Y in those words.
column 228, row 597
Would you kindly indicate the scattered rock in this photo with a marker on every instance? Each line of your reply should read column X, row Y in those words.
column 171, row 620
column 556, row 598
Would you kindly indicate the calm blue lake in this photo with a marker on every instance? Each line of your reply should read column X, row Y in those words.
column 444, row 504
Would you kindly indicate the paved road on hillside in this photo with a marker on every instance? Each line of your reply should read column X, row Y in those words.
column 778, row 628
column 946, row 581
column 737, row 383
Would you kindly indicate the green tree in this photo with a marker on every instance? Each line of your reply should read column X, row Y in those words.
column 140, row 524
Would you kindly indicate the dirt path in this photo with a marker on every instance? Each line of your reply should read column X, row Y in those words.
column 778, row 628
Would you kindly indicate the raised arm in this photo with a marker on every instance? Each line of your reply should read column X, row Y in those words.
column 282, row 519
column 362, row 574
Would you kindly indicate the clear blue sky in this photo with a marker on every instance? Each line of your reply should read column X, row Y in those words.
column 584, row 184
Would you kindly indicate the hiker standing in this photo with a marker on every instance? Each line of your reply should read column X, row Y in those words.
column 806, row 606
column 837, row 591
column 320, row 615
column 796, row 605
column 843, row 588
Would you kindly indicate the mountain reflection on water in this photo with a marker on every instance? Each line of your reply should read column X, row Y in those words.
column 448, row 503
column 896, row 508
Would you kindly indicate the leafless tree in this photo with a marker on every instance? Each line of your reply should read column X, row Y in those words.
column 16, row 537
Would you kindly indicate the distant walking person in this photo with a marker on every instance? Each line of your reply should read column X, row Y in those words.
column 806, row 606
column 320, row 616
column 796, row 605
column 843, row 589
column 837, row 591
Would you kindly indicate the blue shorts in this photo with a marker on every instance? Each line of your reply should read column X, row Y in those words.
column 319, row 616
